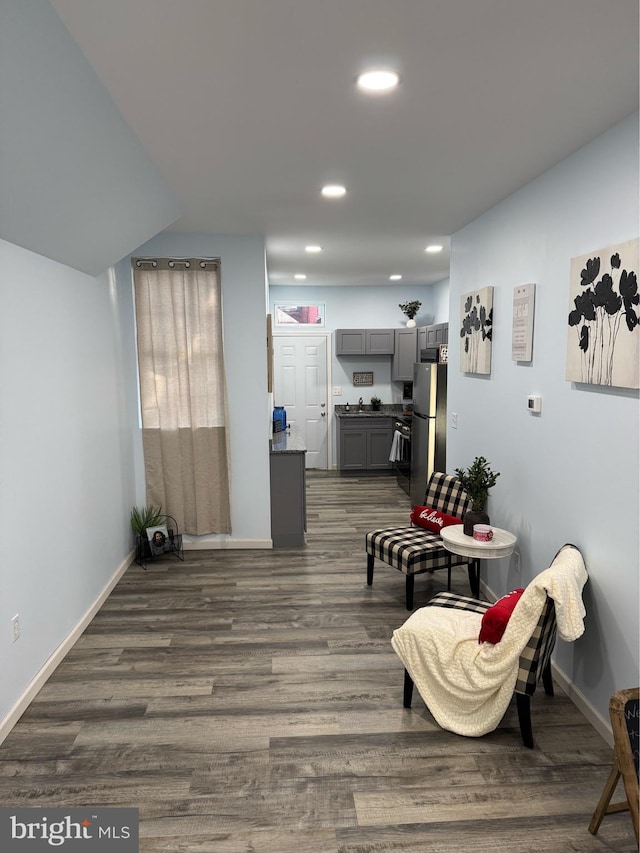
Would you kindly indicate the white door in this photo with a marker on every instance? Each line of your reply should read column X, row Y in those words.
column 300, row 385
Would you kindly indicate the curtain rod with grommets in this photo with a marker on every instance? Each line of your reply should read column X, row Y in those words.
column 175, row 263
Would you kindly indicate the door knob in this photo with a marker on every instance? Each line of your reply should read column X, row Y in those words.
column 323, row 414
column 322, row 405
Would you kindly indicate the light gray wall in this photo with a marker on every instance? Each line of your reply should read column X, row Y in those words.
column 245, row 332
column 370, row 306
column 570, row 474
column 67, row 481
column 439, row 301
column 76, row 185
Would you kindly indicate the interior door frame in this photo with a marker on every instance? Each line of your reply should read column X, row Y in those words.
column 279, row 332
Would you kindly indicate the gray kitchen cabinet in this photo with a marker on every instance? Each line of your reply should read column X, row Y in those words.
column 433, row 336
column 405, row 356
column 288, row 499
column 350, row 341
column 364, row 444
column 437, row 334
column 379, row 439
column 380, row 342
column 352, row 448
column 288, row 489
column 365, row 341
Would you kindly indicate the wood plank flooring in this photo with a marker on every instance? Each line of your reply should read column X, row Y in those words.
column 250, row 701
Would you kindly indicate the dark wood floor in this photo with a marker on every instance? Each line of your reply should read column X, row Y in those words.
column 251, row 701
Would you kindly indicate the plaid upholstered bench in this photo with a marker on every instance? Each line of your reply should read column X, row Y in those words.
column 414, row 550
column 534, row 663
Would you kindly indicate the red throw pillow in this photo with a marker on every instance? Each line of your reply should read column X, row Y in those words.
column 494, row 620
column 432, row 519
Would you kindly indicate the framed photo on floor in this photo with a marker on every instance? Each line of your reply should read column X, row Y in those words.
column 158, row 539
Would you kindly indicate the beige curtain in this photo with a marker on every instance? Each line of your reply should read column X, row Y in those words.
column 182, row 391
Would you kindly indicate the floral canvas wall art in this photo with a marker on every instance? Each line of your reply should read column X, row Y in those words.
column 476, row 330
column 603, row 332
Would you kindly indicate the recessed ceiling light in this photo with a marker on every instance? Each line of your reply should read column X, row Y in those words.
column 333, row 191
column 434, row 249
column 313, row 250
column 378, row 80
column 395, row 277
column 300, row 276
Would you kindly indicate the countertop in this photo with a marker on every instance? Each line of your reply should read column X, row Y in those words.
column 288, row 441
column 387, row 410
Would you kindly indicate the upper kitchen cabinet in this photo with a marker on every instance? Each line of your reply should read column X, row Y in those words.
column 365, row 341
column 405, row 355
column 433, row 336
column 379, row 341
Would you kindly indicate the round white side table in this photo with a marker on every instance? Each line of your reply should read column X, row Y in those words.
column 456, row 540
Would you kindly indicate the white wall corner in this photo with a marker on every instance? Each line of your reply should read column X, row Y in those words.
column 39, row 680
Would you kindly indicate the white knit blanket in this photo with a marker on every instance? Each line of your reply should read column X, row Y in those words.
column 468, row 685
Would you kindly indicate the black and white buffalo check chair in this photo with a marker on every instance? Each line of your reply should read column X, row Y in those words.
column 533, row 659
column 413, row 550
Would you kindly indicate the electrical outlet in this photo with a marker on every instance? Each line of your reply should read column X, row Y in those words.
column 516, row 561
column 15, row 626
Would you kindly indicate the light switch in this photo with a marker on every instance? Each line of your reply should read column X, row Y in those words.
column 454, row 420
column 337, row 391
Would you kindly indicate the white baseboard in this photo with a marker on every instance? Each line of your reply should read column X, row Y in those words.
column 581, row 702
column 600, row 724
column 11, row 718
column 215, row 543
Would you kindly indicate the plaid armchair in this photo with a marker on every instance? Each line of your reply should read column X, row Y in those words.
column 534, row 664
column 413, row 550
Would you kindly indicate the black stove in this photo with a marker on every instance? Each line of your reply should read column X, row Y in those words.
column 402, row 450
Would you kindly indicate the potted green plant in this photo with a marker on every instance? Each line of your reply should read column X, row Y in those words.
column 477, row 479
column 141, row 518
column 375, row 404
column 410, row 309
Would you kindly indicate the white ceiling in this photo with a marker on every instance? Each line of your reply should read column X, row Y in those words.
column 249, row 106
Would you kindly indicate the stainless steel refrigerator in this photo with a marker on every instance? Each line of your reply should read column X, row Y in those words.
column 428, row 427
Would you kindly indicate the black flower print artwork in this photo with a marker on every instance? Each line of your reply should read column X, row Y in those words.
column 476, row 331
column 603, row 319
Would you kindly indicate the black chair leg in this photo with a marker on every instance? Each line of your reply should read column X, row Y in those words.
column 524, row 718
column 409, row 591
column 408, row 690
column 547, row 680
column 370, row 561
column 474, row 578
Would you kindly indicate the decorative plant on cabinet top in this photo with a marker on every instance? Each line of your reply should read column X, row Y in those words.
column 410, row 309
